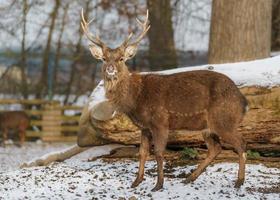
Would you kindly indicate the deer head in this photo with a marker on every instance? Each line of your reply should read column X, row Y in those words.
column 114, row 59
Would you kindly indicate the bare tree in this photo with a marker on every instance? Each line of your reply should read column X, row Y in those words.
column 77, row 56
column 42, row 85
column 162, row 52
column 240, row 30
column 51, row 40
column 59, row 43
column 24, row 87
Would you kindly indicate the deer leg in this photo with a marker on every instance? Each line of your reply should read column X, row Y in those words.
column 160, row 140
column 5, row 136
column 143, row 154
column 22, row 136
column 214, row 149
column 238, row 143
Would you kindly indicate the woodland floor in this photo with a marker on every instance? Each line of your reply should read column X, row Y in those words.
column 109, row 178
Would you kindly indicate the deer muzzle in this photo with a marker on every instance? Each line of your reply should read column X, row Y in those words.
column 111, row 71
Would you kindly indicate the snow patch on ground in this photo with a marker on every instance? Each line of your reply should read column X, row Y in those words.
column 77, row 178
column 12, row 156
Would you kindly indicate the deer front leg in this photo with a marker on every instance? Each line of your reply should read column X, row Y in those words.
column 143, row 154
column 160, row 137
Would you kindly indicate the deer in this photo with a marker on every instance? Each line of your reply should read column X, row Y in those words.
column 200, row 100
column 14, row 120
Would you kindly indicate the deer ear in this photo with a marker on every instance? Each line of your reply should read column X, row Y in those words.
column 130, row 51
column 96, row 51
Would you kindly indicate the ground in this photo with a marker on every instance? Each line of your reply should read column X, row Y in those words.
column 77, row 178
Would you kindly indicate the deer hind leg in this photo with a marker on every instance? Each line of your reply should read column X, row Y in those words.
column 5, row 136
column 160, row 137
column 143, row 154
column 239, row 145
column 214, row 149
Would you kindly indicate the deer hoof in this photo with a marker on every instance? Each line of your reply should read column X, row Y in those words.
column 157, row 187
column 238, row 183
column 136, row 183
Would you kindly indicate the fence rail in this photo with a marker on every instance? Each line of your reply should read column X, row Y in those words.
column 49, row 119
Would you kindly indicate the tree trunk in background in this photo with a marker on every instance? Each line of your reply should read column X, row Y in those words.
column 240, row 30
column 24, row 89
column 59, row 45
column 43, row 84
column 162, row 52
column 275, row 35
column 77, row 55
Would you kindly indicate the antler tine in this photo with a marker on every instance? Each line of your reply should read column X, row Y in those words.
column 94, row 39
column 146, row 20
column 145, row 26
column 127, row 39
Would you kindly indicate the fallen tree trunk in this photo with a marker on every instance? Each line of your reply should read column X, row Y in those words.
column 260, row 127
column 171, row 155
column 100, row 125
column 54, row 157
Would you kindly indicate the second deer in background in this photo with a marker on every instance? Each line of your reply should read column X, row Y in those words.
column 16, row 120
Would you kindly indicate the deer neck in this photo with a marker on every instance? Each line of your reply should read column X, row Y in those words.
column 123, row 92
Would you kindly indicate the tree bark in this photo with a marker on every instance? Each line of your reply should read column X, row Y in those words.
column 275, row 35
column 240, row 30
column 162, row 52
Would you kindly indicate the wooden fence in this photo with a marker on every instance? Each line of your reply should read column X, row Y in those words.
column 49, row 119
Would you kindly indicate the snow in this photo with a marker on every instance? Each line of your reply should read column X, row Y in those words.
column 11, row 156
column 263, row 72
column 97, row 96
column 77, row 178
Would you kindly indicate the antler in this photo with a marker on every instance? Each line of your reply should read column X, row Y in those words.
column 145, row 27
column 94, row 39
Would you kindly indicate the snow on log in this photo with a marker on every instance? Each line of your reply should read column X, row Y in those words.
column 258, row 80
column 99, row 105
column 257, row 73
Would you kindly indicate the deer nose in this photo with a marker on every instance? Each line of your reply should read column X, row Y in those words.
column 110, row 68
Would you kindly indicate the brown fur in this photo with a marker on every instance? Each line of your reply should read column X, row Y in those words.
column 14, row 120
column 196, row 100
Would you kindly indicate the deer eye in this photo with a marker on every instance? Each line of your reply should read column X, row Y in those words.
column 121, row 59
column 104, row 59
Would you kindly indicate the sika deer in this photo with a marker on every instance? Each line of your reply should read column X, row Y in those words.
column 14, row 120
column 196, row 100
